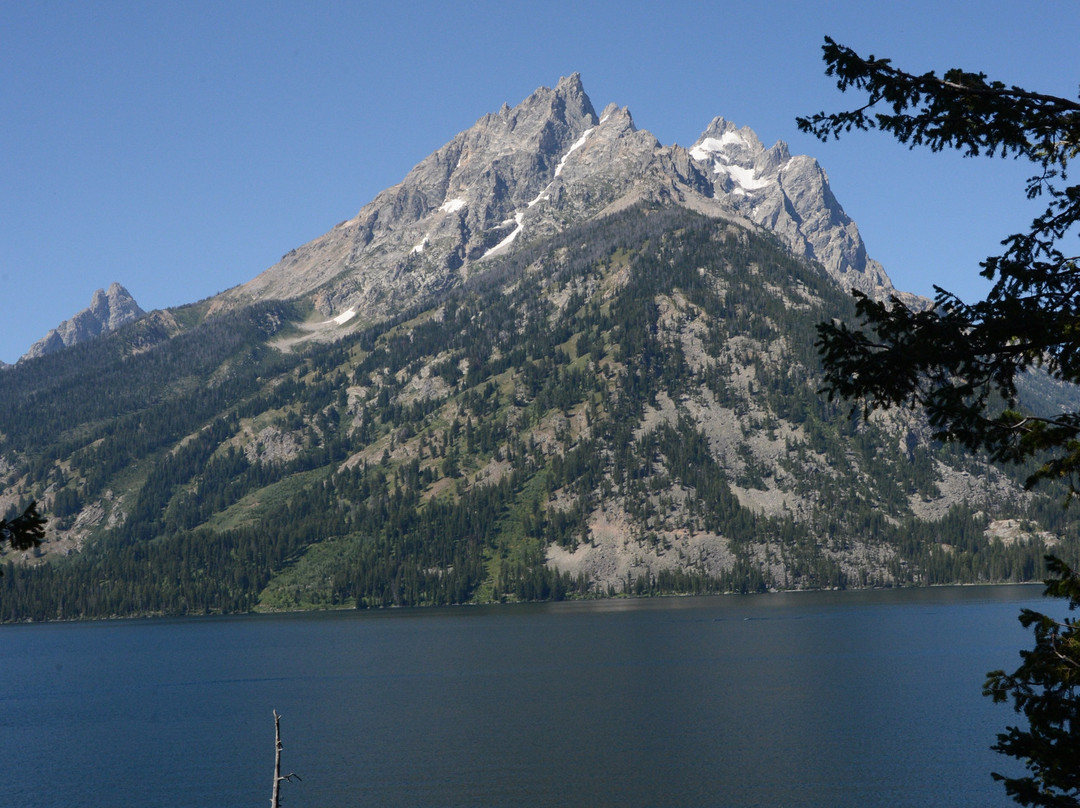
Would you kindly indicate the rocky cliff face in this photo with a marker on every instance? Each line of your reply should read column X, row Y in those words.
column 529, row 172
column 465, row 201
column 520, row 175
column 790, row 197
column 109, row 309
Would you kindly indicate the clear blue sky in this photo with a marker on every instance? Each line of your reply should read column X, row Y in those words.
column 182, row 148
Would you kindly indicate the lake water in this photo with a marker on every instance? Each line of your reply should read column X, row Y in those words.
column 802, row 699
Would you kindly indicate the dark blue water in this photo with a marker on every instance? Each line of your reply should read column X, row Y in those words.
column 808, row 699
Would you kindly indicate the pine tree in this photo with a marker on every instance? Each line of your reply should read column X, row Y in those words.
column 960, row 362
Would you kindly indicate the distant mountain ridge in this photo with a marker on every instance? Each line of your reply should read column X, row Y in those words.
column 522, row 174
column 109, row 309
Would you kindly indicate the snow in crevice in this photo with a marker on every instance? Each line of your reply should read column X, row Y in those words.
column 540, row 197
column 577, row 145
column 519, row 216
column 506, row 242
column 452, row 205
column 419, row 248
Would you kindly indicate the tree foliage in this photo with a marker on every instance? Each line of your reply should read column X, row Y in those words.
column 1046, row 689
column 961, row 362
column 25, row 531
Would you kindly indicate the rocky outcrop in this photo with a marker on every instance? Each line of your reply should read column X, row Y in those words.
column 109, row 309
column 465, row 201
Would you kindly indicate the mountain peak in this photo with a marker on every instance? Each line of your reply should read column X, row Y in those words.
column 109, row 309
column 567, row 105
column 571, row 82
column 529, row 171
column 724, row 136
column 630, row 399
column 464, row 202
column 790, row 197
column 571, row 88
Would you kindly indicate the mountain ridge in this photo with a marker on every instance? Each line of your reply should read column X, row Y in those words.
column 524, row 173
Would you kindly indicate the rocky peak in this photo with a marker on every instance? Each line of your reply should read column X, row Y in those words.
column 546, row 109
column 113, row 307
column 528, row 171
column 789, row 196
column 462, row 203
column 109, row 309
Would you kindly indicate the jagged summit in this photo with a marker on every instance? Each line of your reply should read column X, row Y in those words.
column 739, row 155
column 109, row 309
column 529, row 171
column 790, row 197
column 455, row 207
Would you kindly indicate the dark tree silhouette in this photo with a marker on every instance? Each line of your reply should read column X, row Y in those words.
column 960, row 362
column 24, row 531
column 1046, row 689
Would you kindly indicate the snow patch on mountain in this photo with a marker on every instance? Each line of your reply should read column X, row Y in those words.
column 710, row 146
column 744, row 177
column 517, row 221
column 790, row 197
column 344, row 317
column 519, row 216
column 576, row 145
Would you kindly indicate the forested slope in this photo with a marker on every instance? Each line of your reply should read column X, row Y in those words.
column 630, row 406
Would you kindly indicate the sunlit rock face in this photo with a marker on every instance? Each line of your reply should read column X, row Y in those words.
column 530, row 171
column 109, row 309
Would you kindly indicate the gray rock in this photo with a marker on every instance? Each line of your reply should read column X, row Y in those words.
column 790, row 197
column 529, row 171
column 109, row 309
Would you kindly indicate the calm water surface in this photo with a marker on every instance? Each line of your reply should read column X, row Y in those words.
column 804, row 699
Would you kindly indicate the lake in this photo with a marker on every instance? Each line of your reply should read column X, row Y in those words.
column 795, row 699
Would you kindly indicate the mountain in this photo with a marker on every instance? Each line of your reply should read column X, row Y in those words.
column 530, row 172
column 109, row 309
column 558, row 359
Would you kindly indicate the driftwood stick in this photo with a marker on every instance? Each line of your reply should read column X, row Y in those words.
column 275, row 800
